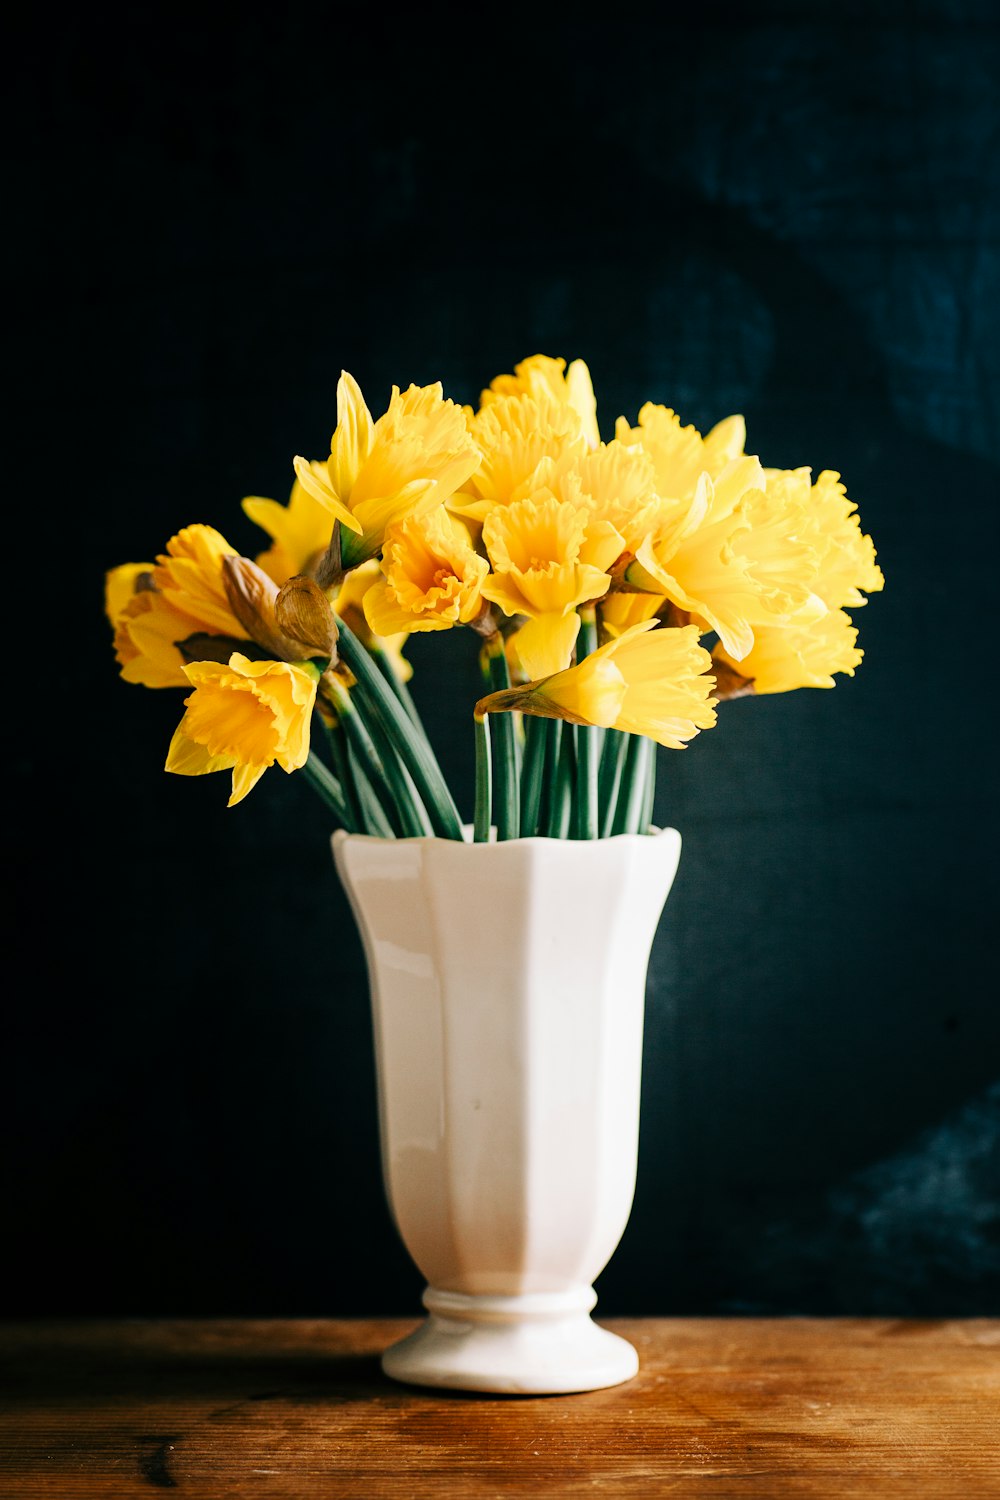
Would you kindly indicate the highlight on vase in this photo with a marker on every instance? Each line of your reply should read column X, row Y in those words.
column 615, row 591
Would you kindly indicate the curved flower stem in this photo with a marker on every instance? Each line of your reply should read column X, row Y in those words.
column 380, row 706
column 340, row 756
column 587, row 741
column 387, row 667
column 613, row 756
column 376, row 820
column 484, row 780
column 381, row 771
column 531, row 773
column 508, row 809
column 412, row 814
column 323, row 781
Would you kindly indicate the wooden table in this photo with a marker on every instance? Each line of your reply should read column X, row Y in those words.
column 720, row 1407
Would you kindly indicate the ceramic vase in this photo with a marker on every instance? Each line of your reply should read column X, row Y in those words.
column 507, row 986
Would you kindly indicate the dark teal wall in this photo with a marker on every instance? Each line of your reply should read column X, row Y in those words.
column 791, row 211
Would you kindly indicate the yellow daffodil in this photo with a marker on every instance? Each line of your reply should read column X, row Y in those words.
column 300, row 531
column 679, row 453
column 547, row 379
column 649, row 680
column 548, row 557
column 182, row 594
column 244, row 717
column 798, row 655
column 695, row 558
column 846, row 569
column 432, row 577
column 515, row 435
column 616, row 484
column 407, row 462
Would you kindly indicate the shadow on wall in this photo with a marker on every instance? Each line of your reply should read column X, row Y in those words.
column 920, row 1229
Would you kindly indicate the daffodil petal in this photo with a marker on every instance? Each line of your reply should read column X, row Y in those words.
column 545, row 644
column 323, row 493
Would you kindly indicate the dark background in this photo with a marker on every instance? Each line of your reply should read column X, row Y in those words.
column 790, row 211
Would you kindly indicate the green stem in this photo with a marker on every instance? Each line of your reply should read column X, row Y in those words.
column 531, row 773
column 505, row 756
column 390, row 672
column 585, row 801
column 381, row 771
column 380, row 705
column 632, row 794
column 376, row 820
column 613, row 755
column 587, row 741
column 561, row 801
column 328, row 787
column 553, row 729
column 484, row 780
column 649, row 799
column 340, row 756
column 413, row 816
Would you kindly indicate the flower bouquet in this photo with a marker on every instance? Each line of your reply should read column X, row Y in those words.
column 616, row 589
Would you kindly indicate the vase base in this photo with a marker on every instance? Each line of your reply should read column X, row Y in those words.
column 540, row 1344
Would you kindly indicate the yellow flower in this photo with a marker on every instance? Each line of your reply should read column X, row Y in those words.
column 433, row 577
column 649, row 680
column 183, row 594
column 693, row 556
column 415, row 456
column 515, row 435
column 548, row 557
column 549, row 379
column 845, row 555
column 121, row 584
column 616, row 483
column 798, row 655
column 244, row 717
column 680, row 454
column 300, row 530
column 350, row 607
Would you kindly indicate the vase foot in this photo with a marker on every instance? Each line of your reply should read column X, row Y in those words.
column 534, row 1345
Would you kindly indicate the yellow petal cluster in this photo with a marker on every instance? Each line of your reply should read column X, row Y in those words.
column 413, row 458
column 795, row 656
column 244, row 717
column 153, row 607
column 547, row 557
column 549, row 380
column 432, row 577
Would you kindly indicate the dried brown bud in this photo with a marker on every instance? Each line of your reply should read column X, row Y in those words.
column 303, row 612
column 252, row 595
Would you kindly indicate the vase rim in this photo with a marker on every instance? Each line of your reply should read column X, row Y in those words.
column 341, row 835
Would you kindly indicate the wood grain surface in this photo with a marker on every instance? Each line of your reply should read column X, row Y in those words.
column 721, row 1407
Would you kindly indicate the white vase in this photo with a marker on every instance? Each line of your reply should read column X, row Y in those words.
column 508, row 988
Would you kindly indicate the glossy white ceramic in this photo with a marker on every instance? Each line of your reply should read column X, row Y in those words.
column 508, row 988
